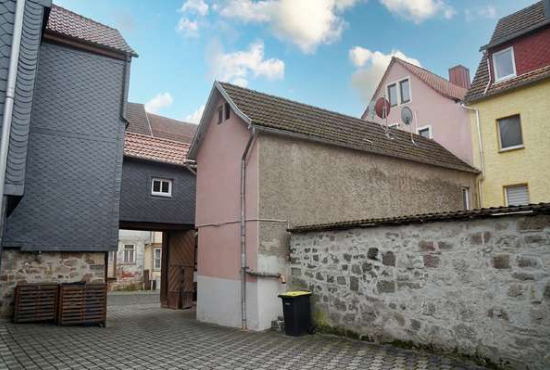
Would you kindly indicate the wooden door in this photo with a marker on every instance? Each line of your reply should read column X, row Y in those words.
column 179, row 271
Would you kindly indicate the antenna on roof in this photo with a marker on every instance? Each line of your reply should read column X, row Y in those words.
column 407, row 118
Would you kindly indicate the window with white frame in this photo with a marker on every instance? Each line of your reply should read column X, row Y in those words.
column 425, row 131
column 394, row 125
column 392, row 94
column 157, row 258
column 509, row 132
column 516, row 195
column 161, row 187
column 504, row 64
column 466, row 198
column 129, row 253
column 405, row 91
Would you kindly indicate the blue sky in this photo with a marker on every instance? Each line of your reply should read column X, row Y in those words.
column 327, row 53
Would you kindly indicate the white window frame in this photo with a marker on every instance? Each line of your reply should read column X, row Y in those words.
column 394, row 125
column 398, row 91
column 513, row 147
column 497, row 79
column 155, row 259
column 506, row 187
column 466, row 197
column 396, row 94
column 429, row 127
column 133, row 254
column 161, row 193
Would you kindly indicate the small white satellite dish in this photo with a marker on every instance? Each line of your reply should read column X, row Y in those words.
column 406, row 115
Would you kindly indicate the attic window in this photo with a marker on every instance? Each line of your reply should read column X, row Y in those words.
column 504, row 64
column 227, row 112
column 392, row 94
column 220, row 115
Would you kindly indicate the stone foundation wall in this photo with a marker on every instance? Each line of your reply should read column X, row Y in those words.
column 478, row 288
column 60, row 267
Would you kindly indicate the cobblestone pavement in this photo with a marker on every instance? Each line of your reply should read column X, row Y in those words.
column 148, row 337
column 133, row 298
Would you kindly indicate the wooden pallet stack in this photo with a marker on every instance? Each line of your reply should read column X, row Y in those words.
column 35, row 302
column 81, row 304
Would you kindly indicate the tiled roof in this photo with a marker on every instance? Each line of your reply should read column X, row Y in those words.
column 438, row 83
column 141, row 122
column 481, row 79
column 527, row 210
column 138, row 122
column 271, row 112
column 155, row 149
column 69, row 24
column 171, row 129
column 518, row 23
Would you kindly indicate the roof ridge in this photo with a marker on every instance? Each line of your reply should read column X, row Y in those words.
column 433, row 73
column 172, row 119
column 157, row 138
column 538, row 3
column 85, row 18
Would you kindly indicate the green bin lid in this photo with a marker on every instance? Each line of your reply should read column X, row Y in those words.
column 296, row 293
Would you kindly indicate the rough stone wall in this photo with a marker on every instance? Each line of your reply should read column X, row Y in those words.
column 479, row 288
column 62, row 267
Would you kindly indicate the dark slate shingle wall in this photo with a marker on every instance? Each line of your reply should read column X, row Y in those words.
column 138, row 205
column 74, row 162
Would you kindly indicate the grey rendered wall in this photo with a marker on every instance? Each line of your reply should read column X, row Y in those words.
column 138, row 205
column 478, row 288
column 310, row 183
column 75, row 155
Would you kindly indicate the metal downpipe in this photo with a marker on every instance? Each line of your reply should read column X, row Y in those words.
column 8, row 112
column 481, row 153
column 244, row 266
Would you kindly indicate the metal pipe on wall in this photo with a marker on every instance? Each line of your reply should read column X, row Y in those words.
column 244, row 266
column 8, row 112
column 481, row 154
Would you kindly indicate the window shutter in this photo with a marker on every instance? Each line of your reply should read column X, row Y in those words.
column 517, row 195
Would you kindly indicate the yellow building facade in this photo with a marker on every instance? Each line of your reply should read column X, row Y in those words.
column 526, row 165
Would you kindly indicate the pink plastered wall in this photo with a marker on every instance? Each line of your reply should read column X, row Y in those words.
column 449, row 121
column 218, row 199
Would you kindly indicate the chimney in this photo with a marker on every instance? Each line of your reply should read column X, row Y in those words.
column 460, row 75
column 547, row 8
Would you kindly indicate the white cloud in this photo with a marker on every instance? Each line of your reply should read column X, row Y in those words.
column 306, row 23
column 237, row 67
column 371, row 67
column 488, row 11
column 187, row 27
column 419, row 10
column 196, row 116
column 161, row 101
column 195, row 6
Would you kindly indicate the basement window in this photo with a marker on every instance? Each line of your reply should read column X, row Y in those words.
column 161, row 187
column 129, row 253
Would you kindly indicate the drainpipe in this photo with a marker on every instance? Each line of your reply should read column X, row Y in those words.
column 8, row 111
column 481, row 153
column 244, row 266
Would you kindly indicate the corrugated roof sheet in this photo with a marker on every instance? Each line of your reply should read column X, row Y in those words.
column 69, row 24
column 313, row 123
column 155, row 149
column 531, row 209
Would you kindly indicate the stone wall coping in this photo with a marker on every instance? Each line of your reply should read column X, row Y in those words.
column 523, row 210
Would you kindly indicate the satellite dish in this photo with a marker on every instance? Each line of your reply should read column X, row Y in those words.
column 382, row 108
column 406, row 115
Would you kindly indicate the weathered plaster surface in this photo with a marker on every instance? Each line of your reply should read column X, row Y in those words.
column 130, row 275
column 480, row 288
column 62, row 267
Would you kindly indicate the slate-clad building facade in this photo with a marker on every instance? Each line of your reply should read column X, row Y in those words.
column 64, row 171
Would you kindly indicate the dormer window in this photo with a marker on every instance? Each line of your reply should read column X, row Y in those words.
column 504, row 64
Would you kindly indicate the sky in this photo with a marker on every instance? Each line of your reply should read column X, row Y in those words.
column 327, row 53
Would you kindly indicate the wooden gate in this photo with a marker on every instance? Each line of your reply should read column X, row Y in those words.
column 178, row 267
